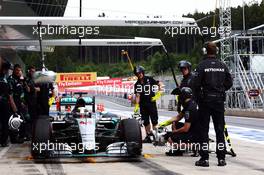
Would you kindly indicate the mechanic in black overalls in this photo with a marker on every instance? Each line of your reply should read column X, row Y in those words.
column 6, row 101
column 145, row 89
column 187, row 132
column 211, row 81
column 19, row 87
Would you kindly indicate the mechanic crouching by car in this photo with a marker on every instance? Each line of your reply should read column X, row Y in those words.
column 183, row 133
column 147, row 91
column 211, row 82
column 19, row 87
column 6, row 101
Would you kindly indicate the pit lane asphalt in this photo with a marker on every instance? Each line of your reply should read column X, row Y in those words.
column 16, row 159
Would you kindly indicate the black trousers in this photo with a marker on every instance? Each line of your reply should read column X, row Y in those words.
column 179, row 137
column 215, row 109
column 149, row 111
column 4, row 117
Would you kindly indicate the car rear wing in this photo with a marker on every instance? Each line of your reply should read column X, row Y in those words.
column 64, row 101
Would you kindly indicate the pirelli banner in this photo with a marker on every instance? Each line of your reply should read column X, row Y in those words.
column 75, row 79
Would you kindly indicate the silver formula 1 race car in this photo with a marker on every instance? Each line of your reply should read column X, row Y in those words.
column 85, row 133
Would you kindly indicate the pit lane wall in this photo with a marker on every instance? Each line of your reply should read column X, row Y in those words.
column 245, row 113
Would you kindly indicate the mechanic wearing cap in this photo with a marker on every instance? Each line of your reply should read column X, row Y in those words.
column 187, row 132
column 19, row 87
column 147, row 91
column 211, row 81
column 185, row 68
column 6, row 100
